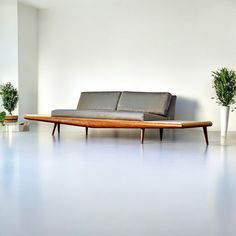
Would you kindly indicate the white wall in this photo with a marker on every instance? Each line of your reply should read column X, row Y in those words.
column 8, row 43
column 145, row 45
column 28, row 59
column 18, row 52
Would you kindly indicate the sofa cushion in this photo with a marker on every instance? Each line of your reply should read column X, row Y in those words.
column 105, row 114
column 64, row 112
column 98, row 100
column 157, row 103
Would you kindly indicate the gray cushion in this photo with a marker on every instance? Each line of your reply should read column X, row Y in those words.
column 64, row 112
column 98, row 100
column 156, row 103
column 105, row 114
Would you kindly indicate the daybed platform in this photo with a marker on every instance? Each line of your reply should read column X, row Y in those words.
column 108, row 123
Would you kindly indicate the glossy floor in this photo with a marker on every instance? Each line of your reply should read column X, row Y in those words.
column 111, row 185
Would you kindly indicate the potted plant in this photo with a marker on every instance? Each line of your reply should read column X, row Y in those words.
column 10, row 98
column 224, row 82
column 2, row 117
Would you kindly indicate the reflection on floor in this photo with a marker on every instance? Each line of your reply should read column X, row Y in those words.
column 112, row 185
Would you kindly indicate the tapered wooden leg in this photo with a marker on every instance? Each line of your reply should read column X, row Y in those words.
column 142, row 135
column 161, row 133
column 58, row 128
column 205, row 135
column 86, row 131
column 54, row 128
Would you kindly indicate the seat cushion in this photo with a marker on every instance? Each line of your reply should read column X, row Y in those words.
column 105, row 114
column 157, row 103
column 98, row 100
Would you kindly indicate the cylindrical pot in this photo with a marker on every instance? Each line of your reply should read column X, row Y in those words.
column 11, row 119
column 224, row 115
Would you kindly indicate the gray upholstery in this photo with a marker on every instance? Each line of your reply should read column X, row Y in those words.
column 64, row 112
column 98, row 100
column 105, row 114
column 157, row 103
column 171, row 109
column 141, row 106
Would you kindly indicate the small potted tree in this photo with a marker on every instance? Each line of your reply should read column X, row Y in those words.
column 2, row 117
column 10, row 98
column 224, row 82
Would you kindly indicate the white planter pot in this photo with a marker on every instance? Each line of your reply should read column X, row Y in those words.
column 224, row 115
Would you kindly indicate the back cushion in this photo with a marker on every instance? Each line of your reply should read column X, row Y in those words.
column 157, row 103
column 98, row 100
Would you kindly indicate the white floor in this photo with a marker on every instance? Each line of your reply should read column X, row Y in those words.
column 111, row 185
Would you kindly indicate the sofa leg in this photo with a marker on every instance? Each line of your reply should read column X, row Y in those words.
column 54, row 128
column 86, row 131
column 205, row 135
column 161, row 133
column 142, row 135
column 58, row 128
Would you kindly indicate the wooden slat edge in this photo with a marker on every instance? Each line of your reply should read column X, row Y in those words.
column 106, row 123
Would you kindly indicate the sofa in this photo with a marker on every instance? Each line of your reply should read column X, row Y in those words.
column 137, row 110
column 115, row 105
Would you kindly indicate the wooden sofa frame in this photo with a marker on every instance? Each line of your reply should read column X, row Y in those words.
column 106, row 123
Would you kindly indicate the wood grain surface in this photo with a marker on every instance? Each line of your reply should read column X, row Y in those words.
column 106, row 123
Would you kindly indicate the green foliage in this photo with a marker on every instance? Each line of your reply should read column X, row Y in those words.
column 224, row 82
column 9, row 96
column 2, row 117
